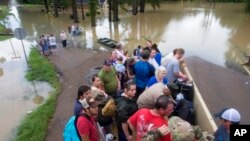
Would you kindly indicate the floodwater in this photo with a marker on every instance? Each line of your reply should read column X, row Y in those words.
column 219, row 35
column 18, row 96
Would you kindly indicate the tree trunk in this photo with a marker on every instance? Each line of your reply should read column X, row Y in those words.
column 135, row 7
column 55, row 8
column 110, row 10
column 74, row 11
column 83, row 17
column 115, row 11
column 92, row 5
column 46, row 5
column 247, row 8
column 142, row 6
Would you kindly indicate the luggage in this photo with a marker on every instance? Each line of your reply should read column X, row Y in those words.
column 186, row 88
column 185, row 110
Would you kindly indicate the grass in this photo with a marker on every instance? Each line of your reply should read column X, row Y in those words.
column 4, row 11
column 2, row 38
column 34, row 126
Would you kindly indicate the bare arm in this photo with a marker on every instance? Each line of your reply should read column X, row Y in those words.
column 131, row 126
column 125, row 127
column 181, row 75
column 118, row 83
column 84, row 137
column 130, row 76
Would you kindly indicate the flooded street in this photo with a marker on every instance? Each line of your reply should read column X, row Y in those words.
column 219, row 35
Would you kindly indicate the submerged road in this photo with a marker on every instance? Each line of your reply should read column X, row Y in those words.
column 221, row 87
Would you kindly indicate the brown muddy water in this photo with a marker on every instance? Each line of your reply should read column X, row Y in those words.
column 219, row 35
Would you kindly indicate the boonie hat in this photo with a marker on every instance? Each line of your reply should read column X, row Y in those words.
column 231, row 115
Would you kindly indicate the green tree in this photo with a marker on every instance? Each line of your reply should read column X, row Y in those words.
column 141, row 4
column 55, row 5
column 74, row 11
column 46, row 5
column 110, row 10
column 113, row 10
column 83, row 17
column 93, row 9
column 135, row 7
column 4, row 12
column 247, row 6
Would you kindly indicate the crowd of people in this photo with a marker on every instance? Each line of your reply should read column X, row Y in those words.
column 138, row 88
column 48, row 43
column 74, row 29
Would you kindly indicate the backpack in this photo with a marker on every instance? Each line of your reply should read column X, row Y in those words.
column 185, row 110
column 180, row 129
column 106, row 110
column 109, row 108
column 70, row 132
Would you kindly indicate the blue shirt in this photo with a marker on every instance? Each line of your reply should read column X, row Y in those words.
column 158, row 58
column 77, row 108
column 153, row 80
column 143, row 72
column 221, row 134
column 172, row 68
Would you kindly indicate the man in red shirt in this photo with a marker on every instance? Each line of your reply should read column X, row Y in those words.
column 86, row 125
column 146, row 120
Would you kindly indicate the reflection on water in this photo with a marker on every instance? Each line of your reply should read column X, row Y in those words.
column 219, row 35
column 2, row 60
column 16, row 93
column 1, row 72
column 38, row 99
column 199, row 29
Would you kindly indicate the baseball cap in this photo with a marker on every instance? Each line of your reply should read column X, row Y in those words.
column 231, row 115
column 218, row 115
column 107, row 62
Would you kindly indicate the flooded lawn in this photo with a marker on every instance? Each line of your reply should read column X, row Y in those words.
column 219, row 35
column 17, row 95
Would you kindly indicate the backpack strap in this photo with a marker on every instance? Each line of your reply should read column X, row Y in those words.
column 76, row 119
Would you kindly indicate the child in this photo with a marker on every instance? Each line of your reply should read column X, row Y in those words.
column 120, row 68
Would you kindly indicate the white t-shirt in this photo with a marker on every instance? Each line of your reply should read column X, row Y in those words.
column 63, row 36
column 52, row 40
column 153, row 62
